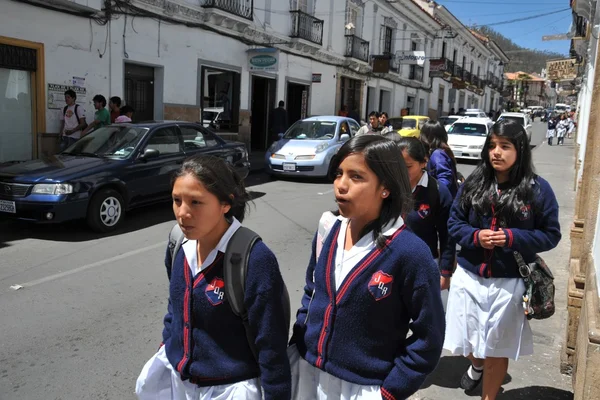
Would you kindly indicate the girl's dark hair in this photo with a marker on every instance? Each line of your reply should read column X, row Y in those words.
column 414, row 147
column 100, row 99
column 219, row 177
column 385, row 159
column 480, row 187
column 434, row 136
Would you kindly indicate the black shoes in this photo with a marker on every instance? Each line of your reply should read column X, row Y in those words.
column 469, row 384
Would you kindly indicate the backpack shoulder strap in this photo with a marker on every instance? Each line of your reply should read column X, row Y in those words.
column 235, row 269
column 176, row 238
column 433, row 193
column 76, row 112
column 65, row 109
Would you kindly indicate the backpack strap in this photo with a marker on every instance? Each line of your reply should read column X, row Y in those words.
column 433, row 193
column 176, row 238
column 235, row 269
column 65, row 110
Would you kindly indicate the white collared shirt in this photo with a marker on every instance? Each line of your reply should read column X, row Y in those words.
column 345, row 261
column 424, row 181
column 190, row 247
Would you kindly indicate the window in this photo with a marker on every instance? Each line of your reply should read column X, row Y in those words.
column 221, row 96
column 354, row 17
column 195, row 138
column 388, row 34
column 165, row 140
column 344, row 129
column 414, row 46
column 354, row 128
column 444, row 50
column 415, row 73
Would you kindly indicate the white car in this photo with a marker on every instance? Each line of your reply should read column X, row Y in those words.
column 449, row 120
column 466, row 137
column 521, row 118
column 211, row 115
column 475, row 113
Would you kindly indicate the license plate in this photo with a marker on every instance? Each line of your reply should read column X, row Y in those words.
column 8, row 206
column 466, row 155
column 289, row 166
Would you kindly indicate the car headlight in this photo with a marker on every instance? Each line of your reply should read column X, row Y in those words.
column 52, row 188
column 476, row 147
column 322, row 147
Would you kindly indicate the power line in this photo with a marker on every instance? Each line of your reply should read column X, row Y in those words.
column 500, row 3
column 524, row 18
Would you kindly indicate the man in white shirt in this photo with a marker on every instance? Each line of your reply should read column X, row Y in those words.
column 72, row 121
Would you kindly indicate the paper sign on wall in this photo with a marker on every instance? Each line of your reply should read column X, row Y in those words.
column 56, row 95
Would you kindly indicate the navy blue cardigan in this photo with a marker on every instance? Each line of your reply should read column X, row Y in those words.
column 358, row 333
column 442, row 168
column 430, row 223
column 534, row 229
column 206, row 343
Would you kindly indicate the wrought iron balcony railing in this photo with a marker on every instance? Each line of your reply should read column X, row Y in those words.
column 307, row 27
column 241, row 8
column 459, row 72
column 357, row 48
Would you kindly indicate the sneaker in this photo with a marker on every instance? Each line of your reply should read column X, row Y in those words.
column 469, row 384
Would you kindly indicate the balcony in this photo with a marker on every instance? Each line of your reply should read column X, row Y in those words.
column 241, row 8
column 307, row 27
column 357, row 48
column 459, row 72
column 468, row 77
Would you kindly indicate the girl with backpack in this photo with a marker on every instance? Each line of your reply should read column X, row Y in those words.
column 441, row 164
column 372, row 280
column 551, row 130
column 205, row 352
column 502, row 208
column 431, row 209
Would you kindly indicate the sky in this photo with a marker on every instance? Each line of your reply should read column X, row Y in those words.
column 524, row 33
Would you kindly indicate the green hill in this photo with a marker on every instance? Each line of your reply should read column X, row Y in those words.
column 521, row 59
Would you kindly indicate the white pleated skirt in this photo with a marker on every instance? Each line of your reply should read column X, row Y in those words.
column 486, row 317
column 159, row 381
column 311, row 383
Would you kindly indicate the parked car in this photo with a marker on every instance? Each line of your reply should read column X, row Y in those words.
column 211, row 116
column 521, row 118
column 466, row 137
column 475, row 113
column 411, row 125
column 109, row 171
column 307, row 147
column 449, row 120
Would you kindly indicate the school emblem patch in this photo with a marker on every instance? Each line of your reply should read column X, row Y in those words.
column 424, row 211
column 215, row 291
column 525, row 213
column 380, row 285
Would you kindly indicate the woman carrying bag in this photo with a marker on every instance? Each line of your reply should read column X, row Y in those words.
column 502, row 208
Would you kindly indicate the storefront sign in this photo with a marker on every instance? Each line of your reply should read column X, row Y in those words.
column 316, row 78
column 437, row 68
column 263, row 60
column 562, row 69
column 411, row 57
column 56, row 95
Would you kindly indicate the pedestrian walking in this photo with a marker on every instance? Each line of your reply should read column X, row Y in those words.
column 571, row 127
column 372, row 280
column 126, row 114
column 114, row 105
column 206, row 354
column 431, row 209
column 279, row 120
column 441, row 164
column 383, row 121
column 374, row 127
column 551, row 130
column 502, row 208
column 72, row 121
column 561, row 130
column 101, row 116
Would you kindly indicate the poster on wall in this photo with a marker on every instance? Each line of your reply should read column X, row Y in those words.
column 78, row 81
column 56, row 95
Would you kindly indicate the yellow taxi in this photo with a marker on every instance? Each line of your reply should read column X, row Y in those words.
column 411, row 125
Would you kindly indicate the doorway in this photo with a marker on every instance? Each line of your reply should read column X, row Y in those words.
column 296, row 102
column 263, row 102
column 139, row 91
column 385, row 101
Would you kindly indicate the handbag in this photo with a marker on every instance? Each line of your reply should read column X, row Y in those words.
column 538, row 299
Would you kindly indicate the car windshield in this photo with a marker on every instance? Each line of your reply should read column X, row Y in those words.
column 409, row 123
column 468, row 129
column 396, row 123
column 312, row 130
column 518, row 120
column 448, row 120
column 109, row 141
column 472, row 115
column 209, row 115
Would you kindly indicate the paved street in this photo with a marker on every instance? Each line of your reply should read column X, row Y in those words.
column 90, row 311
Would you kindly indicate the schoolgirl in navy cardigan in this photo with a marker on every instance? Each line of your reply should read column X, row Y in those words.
column 353, row 327
column 206, row 354
column 441, row 164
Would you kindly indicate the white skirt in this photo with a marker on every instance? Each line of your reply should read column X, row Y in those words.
column 159, row 381
column 486, row 317
column 311, row 383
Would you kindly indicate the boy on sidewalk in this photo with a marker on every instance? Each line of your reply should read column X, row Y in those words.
column 72, row 121
column 101, row 117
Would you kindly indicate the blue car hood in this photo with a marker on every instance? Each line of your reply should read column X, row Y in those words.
column 57, row 168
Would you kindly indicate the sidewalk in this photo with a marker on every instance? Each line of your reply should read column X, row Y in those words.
column 536, row 377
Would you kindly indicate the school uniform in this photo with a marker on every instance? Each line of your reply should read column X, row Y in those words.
column 205, row 353
column 349, row 340
column 485, row 315
column 441, row 167
column 561, row 130
column 551, row 131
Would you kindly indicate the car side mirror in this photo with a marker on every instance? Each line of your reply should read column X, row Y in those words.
column 149, row 154
column 345, row 137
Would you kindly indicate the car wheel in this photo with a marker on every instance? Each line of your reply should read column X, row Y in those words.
column 106, row 210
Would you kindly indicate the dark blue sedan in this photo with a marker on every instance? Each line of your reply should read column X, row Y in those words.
column 111, row 170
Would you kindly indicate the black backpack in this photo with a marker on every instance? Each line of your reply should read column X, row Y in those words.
column 76, row 113
column 433, row 192
column 235, row 269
